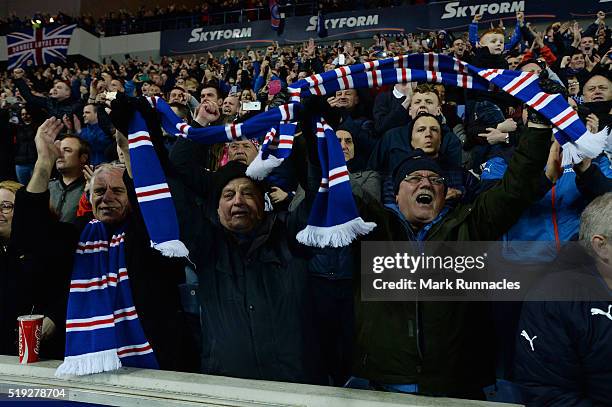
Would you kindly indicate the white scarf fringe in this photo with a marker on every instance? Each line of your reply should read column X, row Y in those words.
column 171, row 248
column 89, row 363
column 334, row 236
column 592, row 144
column 260, row 168
column 571, row 154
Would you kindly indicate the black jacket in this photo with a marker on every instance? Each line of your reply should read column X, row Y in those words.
column 25, row 149
column 53, row 107
column 252, row 291
column 446, row 347
column 35, row 270
column 154, row 279
column 389, row 112
column 7, row 163
column 570, row 360
column 484, row 59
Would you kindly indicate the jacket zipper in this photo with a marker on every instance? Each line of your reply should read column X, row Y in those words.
column 554, row 219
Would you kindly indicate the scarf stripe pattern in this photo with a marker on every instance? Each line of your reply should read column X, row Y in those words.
column 103, row 331
column 333, row 220
column 152, row 191
column 571, row 133
column 576, row 140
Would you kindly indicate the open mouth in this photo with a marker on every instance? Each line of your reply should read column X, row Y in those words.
column 424, row 199
column 597, row 98
column 239, row 214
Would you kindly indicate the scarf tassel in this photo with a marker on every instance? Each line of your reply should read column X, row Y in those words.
column 260, row 168
column 592, row 144
column 334, row 236
column 589, row 145
column 89, row 363
column 171, row 248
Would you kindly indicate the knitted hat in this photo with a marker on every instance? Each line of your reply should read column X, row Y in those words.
column 229, row 172
column 416, row 160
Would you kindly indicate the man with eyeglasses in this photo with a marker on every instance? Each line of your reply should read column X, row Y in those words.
column 438, row 348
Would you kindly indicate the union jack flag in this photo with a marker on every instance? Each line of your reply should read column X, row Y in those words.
column 39, row 45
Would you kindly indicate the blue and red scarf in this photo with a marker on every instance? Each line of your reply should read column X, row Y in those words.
column 329, row 226
column 102, row 327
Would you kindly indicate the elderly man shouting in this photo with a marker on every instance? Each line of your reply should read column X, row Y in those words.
column 124, row 305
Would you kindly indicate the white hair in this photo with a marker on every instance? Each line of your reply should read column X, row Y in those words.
column 103, row 168
column 595, row 220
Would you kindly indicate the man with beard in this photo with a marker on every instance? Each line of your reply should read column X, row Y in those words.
column 459, row 50
column 180, row 95
column 66, row 190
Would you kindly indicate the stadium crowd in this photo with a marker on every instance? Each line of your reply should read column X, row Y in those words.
column 426, row 162
column 146, row 19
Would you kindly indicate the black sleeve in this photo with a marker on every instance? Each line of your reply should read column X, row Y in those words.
column 593, row 183
column 388, row 113
column 184, row 162
column 25, row 91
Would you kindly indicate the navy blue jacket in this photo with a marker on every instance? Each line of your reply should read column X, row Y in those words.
column 569, row 364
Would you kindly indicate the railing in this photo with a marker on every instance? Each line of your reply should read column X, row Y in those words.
column 149, row 24
column 158, row 23
column 154, row 388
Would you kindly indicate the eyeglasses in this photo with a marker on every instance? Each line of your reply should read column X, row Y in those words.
column 6, row 207
column 417, row 179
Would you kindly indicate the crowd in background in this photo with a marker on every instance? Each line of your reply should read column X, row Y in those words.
column 471, row 135
column 147, row 19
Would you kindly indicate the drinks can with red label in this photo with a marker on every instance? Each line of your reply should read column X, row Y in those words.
column 30, row 332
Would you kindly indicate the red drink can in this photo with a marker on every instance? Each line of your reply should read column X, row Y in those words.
column 30, row 332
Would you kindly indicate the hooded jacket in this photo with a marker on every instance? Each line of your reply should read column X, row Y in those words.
column 555, row 217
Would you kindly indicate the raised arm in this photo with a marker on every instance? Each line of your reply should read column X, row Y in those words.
column 47, row 147
column 497, row 209
column 593, row 180
column 25, row 91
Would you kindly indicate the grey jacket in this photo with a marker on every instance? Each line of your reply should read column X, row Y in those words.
column 65, row 198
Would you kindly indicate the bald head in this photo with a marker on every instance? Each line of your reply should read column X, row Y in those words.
column 597, row 89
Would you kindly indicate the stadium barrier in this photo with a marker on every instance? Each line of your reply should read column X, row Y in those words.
column 156, row 388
